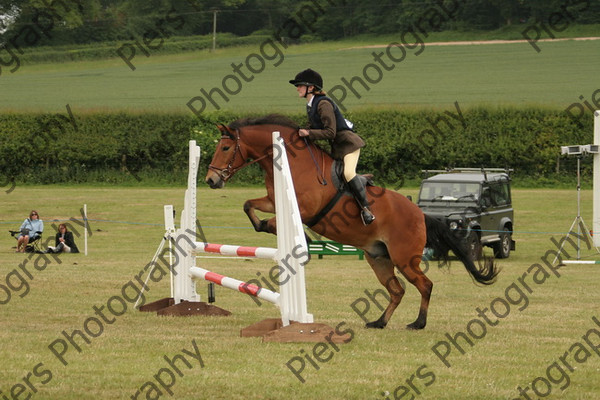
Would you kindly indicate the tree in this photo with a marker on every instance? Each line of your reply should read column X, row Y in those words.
column 480, row 14
column 86, row 21
column 510, row 10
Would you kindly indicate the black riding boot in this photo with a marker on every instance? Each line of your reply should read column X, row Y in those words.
column 360, row 195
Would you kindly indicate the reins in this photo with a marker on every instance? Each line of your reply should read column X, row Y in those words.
column 227, row 172
column 230, row 169
column 321, row 175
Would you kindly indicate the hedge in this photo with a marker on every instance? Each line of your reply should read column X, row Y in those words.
column 129, row 147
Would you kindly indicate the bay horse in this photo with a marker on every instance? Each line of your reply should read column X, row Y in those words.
column 396, row 238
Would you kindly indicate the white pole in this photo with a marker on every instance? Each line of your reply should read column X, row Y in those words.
column 292, row 242
column 169, row 229
column 214, row 35
column 171, row 266
column 579, row 262
column 235, row 284
column 596, row 199
column 233, row 250
column 85, row 230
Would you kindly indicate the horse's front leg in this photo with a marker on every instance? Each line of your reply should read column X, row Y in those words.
column 264, row 204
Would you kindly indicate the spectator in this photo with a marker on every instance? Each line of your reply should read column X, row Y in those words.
column 64, row 243
column 31, row 230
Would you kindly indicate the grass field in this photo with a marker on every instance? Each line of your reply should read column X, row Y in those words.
column 127, row 352
column 428, row 76
column 121, row 356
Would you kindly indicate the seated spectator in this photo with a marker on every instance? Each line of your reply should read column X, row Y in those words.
column 31, row 229
column 64, row 243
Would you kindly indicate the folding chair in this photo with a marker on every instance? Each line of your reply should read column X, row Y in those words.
column 33, row 246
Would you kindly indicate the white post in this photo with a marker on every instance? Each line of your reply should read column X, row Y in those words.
column 291, row 253
column 169, row 229
column 85, row 228
column 596, row 198
column 291, row 244
column 185, row 236
column 214, row 35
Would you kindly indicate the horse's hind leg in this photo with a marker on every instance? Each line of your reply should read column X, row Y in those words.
column 412, row 272
column 384, row 270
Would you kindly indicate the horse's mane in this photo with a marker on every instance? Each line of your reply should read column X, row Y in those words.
column 271, row 119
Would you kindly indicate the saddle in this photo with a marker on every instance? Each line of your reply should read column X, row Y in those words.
column 339, row 182
column 337, row 177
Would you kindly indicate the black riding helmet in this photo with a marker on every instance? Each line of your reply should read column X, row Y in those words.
column 308, row 77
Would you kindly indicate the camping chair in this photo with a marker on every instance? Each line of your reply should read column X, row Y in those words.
column 33, row 246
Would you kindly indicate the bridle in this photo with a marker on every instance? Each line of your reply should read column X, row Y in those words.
column 227, row 172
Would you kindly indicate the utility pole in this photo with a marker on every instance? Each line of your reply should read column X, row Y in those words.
column 214, row 44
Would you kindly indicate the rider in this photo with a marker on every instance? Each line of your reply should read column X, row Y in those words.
column 327, row 122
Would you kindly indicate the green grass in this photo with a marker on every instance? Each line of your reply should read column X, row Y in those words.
column 107, row 49
column 507, row 74
column 130, row 351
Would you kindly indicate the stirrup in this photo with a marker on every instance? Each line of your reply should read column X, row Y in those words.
column 367, row 216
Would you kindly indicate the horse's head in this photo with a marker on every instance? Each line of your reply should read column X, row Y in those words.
column 227, row 160
column 244, row 140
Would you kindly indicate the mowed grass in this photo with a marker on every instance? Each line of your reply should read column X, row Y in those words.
column 126, row 230
column 427, row 76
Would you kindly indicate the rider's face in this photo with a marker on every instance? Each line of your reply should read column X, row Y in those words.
column 301, row 89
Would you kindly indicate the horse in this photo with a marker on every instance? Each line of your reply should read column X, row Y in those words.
column 396, row 238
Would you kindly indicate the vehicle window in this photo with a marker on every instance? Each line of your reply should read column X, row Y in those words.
column 449, row 191
column 486, row 197
column 500, row 196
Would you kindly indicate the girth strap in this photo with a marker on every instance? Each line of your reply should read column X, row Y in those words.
column 337, row 178
column 315, row 220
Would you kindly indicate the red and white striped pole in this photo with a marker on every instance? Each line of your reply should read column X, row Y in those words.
column 239, row 251
column 234, row 284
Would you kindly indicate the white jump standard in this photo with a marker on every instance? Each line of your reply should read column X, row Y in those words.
column 291, row 254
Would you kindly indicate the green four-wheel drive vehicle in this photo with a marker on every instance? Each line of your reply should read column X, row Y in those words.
column 475, row 204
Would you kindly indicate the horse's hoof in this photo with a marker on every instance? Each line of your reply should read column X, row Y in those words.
column 376, row 324
column 263, row 226
column 415, row 326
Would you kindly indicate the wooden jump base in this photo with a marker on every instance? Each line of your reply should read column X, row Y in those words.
column 295, row 324
column 272, row 330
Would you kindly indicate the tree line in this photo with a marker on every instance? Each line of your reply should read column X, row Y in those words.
column 88, row 21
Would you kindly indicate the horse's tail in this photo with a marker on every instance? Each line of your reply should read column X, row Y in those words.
column 441, row 239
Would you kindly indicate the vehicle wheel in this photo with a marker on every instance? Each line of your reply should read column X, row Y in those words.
column 502, row 248
column 474, row 246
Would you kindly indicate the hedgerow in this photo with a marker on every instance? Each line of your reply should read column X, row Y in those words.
column 128, row 147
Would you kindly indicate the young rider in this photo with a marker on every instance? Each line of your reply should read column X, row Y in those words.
column 327, row 123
